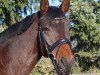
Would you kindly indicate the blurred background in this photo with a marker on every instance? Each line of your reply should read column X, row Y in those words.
column 84, row 16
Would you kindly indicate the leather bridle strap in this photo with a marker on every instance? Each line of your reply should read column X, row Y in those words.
column 59, row 42
column 49, row 48
column 42, row 39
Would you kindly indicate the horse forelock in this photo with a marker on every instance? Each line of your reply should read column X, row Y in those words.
column 54, row 12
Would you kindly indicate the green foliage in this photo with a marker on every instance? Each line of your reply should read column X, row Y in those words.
column 11, row 10
column 85, row 17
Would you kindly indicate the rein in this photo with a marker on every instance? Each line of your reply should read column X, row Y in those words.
column 49, row 48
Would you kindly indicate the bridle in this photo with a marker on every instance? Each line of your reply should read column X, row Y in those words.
column 41, row 39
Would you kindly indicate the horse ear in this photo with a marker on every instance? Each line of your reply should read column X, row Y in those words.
column 44, row 6
column 65, row 6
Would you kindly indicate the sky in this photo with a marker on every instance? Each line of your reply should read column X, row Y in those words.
column 54, row 3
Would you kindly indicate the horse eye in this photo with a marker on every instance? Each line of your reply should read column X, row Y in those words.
column 45, row 29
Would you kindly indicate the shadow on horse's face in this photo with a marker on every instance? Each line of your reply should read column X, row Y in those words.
column 56, row 34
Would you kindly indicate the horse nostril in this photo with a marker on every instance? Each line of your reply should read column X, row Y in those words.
column 65, row 66
column 64, row 62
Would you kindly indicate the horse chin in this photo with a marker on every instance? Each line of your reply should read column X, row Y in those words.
column 65, row 67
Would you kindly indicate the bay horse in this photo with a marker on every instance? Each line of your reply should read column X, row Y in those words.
column 45, row 33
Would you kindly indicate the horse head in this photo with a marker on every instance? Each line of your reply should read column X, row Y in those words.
column 53, row 36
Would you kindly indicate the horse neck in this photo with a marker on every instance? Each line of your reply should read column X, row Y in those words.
column 21, row 51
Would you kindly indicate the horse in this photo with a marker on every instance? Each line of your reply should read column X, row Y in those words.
column 44, row 33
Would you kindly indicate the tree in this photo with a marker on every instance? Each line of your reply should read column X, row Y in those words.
column 85, row 20
column 11, row 11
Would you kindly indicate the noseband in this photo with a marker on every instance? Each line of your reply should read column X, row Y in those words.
column 49, row 48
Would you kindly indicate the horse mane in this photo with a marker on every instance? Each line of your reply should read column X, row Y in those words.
column 17, row 28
